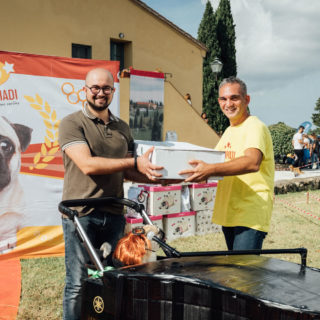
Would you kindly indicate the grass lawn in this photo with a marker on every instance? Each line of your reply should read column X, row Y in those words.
column 295, row 223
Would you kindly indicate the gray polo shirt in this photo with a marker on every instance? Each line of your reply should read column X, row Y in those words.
column 111, row 140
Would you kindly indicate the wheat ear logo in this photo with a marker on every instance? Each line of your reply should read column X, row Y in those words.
column 50, row 146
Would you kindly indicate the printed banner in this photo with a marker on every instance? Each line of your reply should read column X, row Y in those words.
column 36, row 92
column 307, row 126
column 146, row 104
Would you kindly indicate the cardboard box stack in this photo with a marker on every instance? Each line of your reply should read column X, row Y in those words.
column 202, row 197
column 164, row 206
column 181, row 213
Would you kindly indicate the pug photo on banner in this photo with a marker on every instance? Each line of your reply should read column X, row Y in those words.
column 14, row 139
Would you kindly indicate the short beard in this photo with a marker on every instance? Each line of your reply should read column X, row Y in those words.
column 98, row 109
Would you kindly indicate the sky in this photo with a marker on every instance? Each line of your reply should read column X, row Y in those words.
column 144, row 89
column 278, row 52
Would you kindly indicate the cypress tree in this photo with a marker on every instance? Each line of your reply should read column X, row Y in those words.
column 226, row 35
column 207, row 34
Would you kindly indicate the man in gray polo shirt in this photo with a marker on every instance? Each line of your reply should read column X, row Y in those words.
column 97, row 154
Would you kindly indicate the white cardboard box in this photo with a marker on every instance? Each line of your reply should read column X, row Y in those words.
column 163, row 199
column 138, row 222
column 179, row 225
column 174, row 156
column 204, row 224
column 202, row 195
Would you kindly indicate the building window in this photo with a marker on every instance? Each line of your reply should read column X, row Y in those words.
column 81, row 51
column 117, row 52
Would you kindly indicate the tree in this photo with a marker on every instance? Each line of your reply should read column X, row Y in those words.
column 282, row 139
column 207, row 35
column 156, row 128
column 226, row 35
column 316, row 116
column 217, row 32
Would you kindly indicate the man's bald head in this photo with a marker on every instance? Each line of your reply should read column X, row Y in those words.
column 98, row 73
column 99, row 90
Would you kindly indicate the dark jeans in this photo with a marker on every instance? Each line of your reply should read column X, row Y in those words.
column 99, row 227
column 243, row 238
column 299, row 154
column 314, row 159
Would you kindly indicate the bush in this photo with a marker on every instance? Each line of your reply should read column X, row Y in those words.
column 282, row 139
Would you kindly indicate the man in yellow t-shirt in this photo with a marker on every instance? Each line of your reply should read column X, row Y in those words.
column 244, row 199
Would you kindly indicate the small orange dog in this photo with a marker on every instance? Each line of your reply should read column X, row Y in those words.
column 296, row 170
column 134, row 248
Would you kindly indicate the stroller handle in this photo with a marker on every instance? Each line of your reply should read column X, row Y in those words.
column 64, row 206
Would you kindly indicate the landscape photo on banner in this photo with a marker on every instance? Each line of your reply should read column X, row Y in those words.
column 36, row 92
column 146, row 104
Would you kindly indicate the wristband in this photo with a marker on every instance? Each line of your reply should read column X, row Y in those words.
column 136, row 162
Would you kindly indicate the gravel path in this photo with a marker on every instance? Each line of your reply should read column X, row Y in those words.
column 289, row 175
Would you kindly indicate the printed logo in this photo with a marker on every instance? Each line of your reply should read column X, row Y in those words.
column 9, row 96
column 5, row 70
column 73, row 97
column 98, row 304
column 228, row 152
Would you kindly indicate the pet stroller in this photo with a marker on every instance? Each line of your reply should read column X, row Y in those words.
column 198, row 285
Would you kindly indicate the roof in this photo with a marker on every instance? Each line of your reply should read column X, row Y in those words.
column 172, row 25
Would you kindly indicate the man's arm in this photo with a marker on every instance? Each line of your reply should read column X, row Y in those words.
column 80, row 154
column 249, row 162
column 135, row 175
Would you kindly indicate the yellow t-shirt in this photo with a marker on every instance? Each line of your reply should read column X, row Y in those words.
column 246, row 200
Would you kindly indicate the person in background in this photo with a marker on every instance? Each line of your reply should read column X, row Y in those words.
column 297, row 143
column 97, row 149
column 187, row 97
column 290, row 158
column 244, row 198
column 318, row 138
column 314, row 151
column 306, row 151
column 204, row 117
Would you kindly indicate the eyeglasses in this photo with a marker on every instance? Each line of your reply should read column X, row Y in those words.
column 97, row 89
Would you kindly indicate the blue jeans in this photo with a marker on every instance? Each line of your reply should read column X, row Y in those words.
column 314, row 159
column 99, row 227
column 243, row 238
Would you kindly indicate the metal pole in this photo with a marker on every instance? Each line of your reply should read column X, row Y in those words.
column 87, row 243
column 145, row 217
